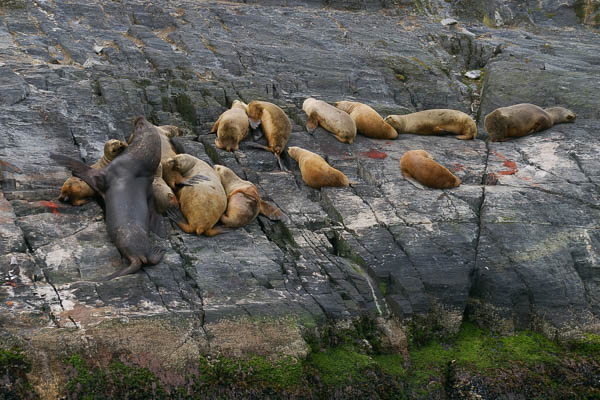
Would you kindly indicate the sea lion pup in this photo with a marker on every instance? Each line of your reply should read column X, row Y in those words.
column 315, row 171
column 419, row 164
column 231, row 127
column 202, row 202
column 368, row 121
column 330, row 118
column 275, row 125
column 77, row 191
column 243, row 201
column 126, row 185
column 164, row 198
column 435, row 122
column 523, row 119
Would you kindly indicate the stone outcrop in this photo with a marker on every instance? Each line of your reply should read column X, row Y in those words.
column 516, row 246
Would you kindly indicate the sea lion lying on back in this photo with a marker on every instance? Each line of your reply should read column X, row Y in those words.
column 77, row 191
column 330, row 118
column 275, row 125
column 419, row 164
column 368, row 121
column 231, row 127
column 435, row 122
column 203, row 201
column 523, row 119
column 126, row 185
column 243, row 201
column 315, row 171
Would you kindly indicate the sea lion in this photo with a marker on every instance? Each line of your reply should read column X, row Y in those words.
column 419, row 164
column 243, row 201
column 203, row 202
column 435, row 122
column 231, row 127
column 164, row 198
column 126, row 185
column 167, row 149
column 77, row 191
column 523, row 119
column 315, row 171
column 275, row 125
column 330, row 118
column 368, row 121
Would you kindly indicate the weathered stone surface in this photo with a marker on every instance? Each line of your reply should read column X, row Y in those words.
column 515, row 246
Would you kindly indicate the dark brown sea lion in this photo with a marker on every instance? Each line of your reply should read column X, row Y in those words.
column 419, row 164
column 126, row 186
column 77, row 191
column 523, row 119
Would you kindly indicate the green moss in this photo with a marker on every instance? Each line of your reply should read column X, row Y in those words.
column 185, row 107
column 400, row 77
column 392, row 364
column 340, row 365
column 14, row 366
column 487, row 21
column 383, row 288
column 421, row 63
column 588, row 345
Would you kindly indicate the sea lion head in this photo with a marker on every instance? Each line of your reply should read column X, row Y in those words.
column 226, row 175
column 113, row 148
column 240, row 104
column 254, row 111
column 422, row 153
column 346, row 106
column 170, row 130
column 181, row 163
column 74, row 190
column 294, row 152
column 560, row 115
column 396, row 122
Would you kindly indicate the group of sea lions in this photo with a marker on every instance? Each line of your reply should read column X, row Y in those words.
column 145, row 177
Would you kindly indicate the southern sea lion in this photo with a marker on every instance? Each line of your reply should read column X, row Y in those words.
column 523, row 119
column 77, row 191
column 126, row 185
column 419, row 164
column 330, row 118
column 164, row 198
column 202, row 202
column 368, row 121
column 243, row 201
column 315, row 171
column 435, row 122
column 275, row 125
column 167, row 149
column 231, row 127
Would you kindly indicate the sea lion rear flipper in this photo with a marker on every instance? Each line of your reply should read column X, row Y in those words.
column 193, row 180
column 93, row 177
column 156, row 254
column 271, row 211
column 311, row 124
column 217, row 230
column 257, row 146
column 177, row 145
column 281, row 166
column 135, row 265
column 215, row 127
column 176, row 215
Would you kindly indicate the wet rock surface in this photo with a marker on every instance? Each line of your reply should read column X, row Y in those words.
column 516, row 246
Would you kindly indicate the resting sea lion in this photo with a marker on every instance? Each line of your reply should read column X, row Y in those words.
column 523, row 119
column 368, row 121
column 435, row 122
column 275, row 125
column 330, row 118
column 164, row 198
column 315, row 171
column 77, row 191
column 203, row 202
column 243, row 201
column 419, row 164
column 231, row 127
column 126, row 185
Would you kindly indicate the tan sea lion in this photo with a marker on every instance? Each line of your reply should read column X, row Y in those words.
column 164, row 198
column 202, row 203
column 76, row 190
column 330, row 118
column 368, row 121
column 435, row 122
column 243, row 201
column 315, row 171
column 231, row 127
column 523, row 119
column 419, row 164
column 275, row 125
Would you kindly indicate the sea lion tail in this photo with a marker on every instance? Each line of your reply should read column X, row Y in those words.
column 93, row 177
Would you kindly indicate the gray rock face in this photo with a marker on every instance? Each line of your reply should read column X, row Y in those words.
column 515, row 246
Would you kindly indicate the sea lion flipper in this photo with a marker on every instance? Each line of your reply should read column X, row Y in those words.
column 271, row 211
column 175, row 215
column 93, row 177
column 215, row 127
column 193, row 180
column 281, row 166
column 156, row 223
column 135, row 265
column 311, row 124
column 257, row 146
column 217, row 230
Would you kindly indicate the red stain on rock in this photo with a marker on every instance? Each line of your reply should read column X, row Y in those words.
column 52, row 206
column 376, row 154
column 457, row 167
column 512, row 168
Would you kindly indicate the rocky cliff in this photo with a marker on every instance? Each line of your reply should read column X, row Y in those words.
column 515, row 247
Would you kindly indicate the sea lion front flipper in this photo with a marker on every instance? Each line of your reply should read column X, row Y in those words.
column 193, row 180
column 215, row 127
column 93, row 177
column 271, row 211
column 216, row 230
column 312, row 123
column 464, row 137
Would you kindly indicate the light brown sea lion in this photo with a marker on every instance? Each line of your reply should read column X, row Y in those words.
column 419, row 164
column 315, row 171
column 523, row 119
column 435, row 122
column 243, row 200
column 126, row 186
column 330, row 118
column 231, row 127
column 275, row 125
column 76, row 190
column 164, row 198
column 202, row 203
column 368, row 121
